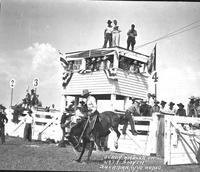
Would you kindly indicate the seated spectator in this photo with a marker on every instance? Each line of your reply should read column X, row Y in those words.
column 98, row 63
column 102, row 63
column 156, row 107
column 70, row 65
column 108, row 63
column 134, row 67
column 71, row 107
column 123, row 64
column 181, row 111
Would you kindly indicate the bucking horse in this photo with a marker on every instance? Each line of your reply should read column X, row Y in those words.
column 78, row 136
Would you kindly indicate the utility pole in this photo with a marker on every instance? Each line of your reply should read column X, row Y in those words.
column 12, row 85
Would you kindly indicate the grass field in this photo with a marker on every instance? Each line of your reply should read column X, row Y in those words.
column 17, row 154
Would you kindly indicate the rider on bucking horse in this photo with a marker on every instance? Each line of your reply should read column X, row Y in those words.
column 92, row 112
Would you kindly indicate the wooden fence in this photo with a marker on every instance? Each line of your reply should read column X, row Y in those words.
column 46, row 126
column 181, row 140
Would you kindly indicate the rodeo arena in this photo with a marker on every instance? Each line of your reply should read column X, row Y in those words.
column 107, row 111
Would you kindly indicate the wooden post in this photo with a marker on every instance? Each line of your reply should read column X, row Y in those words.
column 115, row 61
column 167, row 141
column 113, row 99
column 76, row 102
column 125, row 102
column 83, row 64
column 63, row 102
column 11, row 97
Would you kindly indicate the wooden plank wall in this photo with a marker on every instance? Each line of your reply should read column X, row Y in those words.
column 130, row 84
column 96, row 82
column 181, row 148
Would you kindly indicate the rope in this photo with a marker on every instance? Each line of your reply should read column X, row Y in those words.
column 84, row 130
column 176, row 32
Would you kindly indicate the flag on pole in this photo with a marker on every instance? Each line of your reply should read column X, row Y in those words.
column 151, row 63
column 66, row 78
column 63, row 61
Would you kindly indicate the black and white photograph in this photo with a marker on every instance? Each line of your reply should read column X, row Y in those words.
column 108, row 86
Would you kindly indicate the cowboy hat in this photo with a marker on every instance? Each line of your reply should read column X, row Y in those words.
column 85, row 92
column 163, row 102
column 109, row 21
column 30, row 111
column 197, row 98
column 156, row 102
column 192, row 97
column 180, row 104
column 172, row 103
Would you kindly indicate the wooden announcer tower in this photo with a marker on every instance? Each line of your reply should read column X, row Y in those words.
column 109, row 83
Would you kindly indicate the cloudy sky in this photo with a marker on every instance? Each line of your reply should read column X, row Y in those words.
column 32, row 31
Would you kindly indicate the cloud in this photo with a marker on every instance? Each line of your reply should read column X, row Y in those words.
column 46, row 66
column 43, row 55
column 45, row 61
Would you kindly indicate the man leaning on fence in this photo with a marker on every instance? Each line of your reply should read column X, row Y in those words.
column 133, row 109
column 3, row 119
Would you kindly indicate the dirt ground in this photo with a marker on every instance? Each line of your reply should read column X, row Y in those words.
column 17, row 154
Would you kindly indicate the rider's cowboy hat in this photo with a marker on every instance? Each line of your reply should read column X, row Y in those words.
column 171, row 103
column 180, row 104
column 85, row 92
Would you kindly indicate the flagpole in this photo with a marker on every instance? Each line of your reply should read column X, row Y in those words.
column 156, row 77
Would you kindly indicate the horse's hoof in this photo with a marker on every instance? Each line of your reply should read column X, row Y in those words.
column 77, row 160
column 106, row 149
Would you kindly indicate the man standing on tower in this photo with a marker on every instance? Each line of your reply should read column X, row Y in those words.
column 132, row 33
column 108, row 34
